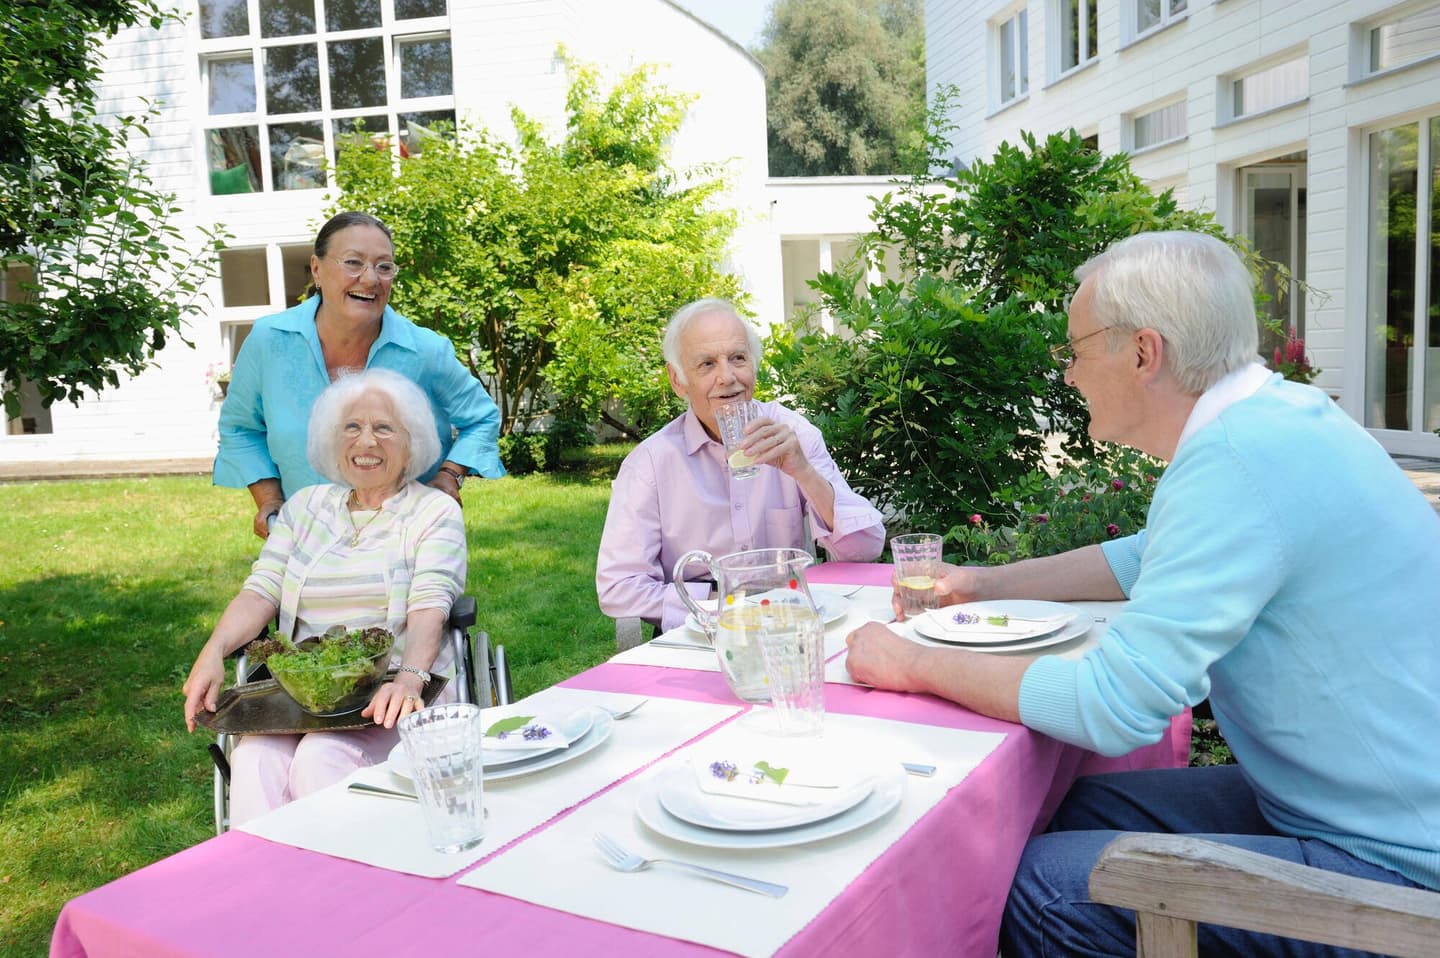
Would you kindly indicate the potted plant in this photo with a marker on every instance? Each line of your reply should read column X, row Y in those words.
column 217, row 376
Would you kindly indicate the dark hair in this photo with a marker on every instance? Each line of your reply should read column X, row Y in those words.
column 342, row 221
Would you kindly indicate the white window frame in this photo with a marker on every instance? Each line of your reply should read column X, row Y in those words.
column 1231, row 85
column 1018, row 47
column 1171, row 13
column 1057, row 11
column 1135, row 116
column 1364, row 36
column 393, row 34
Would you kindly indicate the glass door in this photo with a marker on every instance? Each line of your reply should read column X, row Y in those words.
column 1272, row 216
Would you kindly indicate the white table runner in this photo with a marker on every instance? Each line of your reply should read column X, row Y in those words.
column 390, row 833
column 559, row 866
column 869, row 604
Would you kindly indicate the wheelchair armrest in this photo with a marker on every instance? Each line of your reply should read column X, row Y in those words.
column 462, row 613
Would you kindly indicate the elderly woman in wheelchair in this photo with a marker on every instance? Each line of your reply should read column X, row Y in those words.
column 372, row 548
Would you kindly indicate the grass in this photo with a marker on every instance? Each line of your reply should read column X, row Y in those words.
column 107, row 590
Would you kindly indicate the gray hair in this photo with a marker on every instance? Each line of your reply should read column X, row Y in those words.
column 322, row 445
column 687, row 314
column 1191, row 288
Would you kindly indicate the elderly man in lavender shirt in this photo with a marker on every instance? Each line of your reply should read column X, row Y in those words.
column 674, row 492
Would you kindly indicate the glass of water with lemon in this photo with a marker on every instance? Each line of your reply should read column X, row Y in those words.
column 917, row 566
column 731, row 419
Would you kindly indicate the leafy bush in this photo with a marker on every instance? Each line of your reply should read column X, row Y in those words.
column 937, row 394
column 1081, row 504
column 525, row 452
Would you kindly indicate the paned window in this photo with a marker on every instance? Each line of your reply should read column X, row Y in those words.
column 1158, row 126
column 1405, row 40
column 1012, row 40
column 285, row 81
column 1151, row 14
column 1078, row 33
column 1287, row 82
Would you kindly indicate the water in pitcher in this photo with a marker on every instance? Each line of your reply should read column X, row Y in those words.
column 737, row 644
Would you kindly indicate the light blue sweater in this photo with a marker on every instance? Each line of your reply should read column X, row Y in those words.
column 281, row 371
column 1290, row 572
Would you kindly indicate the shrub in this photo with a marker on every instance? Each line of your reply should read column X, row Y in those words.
column 1082, row 504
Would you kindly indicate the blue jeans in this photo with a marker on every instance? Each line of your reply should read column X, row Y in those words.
column 1050, row 914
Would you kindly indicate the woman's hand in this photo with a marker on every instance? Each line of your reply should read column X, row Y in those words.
column 395, row 700
column 202, row 688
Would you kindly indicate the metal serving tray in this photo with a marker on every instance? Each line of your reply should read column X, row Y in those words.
column 264, row 708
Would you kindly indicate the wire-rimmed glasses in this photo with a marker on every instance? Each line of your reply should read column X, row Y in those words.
column 1064, row 353
column 355, row 268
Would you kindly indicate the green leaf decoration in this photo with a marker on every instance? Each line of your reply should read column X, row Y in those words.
column 776, row 775
column 511, row 724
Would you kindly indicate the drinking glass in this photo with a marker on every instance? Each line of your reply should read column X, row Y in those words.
column 917, row 565
column 792, row 646
column 731, row 419
column 443, row 744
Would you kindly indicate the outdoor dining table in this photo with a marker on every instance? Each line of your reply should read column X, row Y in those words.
column 938, row 887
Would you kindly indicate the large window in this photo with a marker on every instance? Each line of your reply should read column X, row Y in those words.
column 1158, row 126
column 1402, row 362
column 1152, row 14
column 285, row 80
column 1011, row 46
column 1405, row 40
column 1271, row 87
column 1079, row 35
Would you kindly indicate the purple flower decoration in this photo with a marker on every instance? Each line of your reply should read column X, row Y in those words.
column 724, row 770
column 1112, row 530
column 535, row 733
column 965, row 618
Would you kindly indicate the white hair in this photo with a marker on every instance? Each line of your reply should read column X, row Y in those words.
column 412, row 408
column 687, row 314
column 1191, row 288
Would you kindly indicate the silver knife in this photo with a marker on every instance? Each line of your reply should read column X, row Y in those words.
column 365, row 789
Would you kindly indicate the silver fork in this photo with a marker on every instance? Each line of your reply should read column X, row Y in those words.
column 618, row 714
column 627, row 861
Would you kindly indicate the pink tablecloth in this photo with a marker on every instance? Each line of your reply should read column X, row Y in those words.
column 939, row 890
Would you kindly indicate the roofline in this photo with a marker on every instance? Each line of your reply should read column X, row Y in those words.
column 717, row 31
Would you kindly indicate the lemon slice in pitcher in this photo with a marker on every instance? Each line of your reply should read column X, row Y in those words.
column 739, row 459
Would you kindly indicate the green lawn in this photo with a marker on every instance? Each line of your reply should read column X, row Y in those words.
column 107, row 590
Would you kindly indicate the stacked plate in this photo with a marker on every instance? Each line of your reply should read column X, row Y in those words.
column 583, row 729
column 754, row 811
column 1004, row 625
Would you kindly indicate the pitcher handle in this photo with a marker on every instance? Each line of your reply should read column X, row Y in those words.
column 706, row 620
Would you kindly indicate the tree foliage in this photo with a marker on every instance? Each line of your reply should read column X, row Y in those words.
column 939, row 393
column 845, row 85
column 554, row 264
column 104, row 276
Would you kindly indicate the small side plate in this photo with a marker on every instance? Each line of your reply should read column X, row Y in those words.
column 264, row 708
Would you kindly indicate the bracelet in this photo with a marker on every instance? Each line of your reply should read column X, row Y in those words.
column 424, row 676
column 455, row 474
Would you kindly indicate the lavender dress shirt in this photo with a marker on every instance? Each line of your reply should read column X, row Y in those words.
column 674, row 493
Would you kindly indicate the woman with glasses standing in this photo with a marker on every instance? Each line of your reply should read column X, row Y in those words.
column 348, row 325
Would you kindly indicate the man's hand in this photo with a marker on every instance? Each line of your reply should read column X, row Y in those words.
column 955, row 584
column 771, row 443
column 879, row 657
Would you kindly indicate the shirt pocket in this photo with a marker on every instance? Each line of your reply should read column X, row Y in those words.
column 785, row 528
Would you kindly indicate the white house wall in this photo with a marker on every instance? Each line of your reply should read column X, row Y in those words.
column 1188, row 59
column 504, row 55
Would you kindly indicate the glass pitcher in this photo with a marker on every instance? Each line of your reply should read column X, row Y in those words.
column 755, row 589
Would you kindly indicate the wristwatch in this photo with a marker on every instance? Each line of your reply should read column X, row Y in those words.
column 456, row 474
column 424, row 676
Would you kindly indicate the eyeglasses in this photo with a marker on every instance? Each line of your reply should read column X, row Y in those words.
column 1064, row 353
column 355, row 268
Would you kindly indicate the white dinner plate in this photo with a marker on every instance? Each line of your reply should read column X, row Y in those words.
column 832, row 608
column 1030, row 608
column 888, row 791
column 682, row 797
column 599, row 726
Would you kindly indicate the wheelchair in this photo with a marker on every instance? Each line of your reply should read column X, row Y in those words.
column 489, row 685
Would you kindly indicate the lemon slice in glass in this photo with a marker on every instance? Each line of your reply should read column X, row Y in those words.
column 739, row 460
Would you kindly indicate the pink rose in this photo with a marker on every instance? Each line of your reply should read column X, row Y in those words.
column 975, row 519
column 1112, row 530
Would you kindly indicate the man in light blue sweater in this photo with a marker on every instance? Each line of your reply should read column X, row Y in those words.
column 1288, row 570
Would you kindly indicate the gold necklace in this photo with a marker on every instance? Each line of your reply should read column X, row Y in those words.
column 354, row 503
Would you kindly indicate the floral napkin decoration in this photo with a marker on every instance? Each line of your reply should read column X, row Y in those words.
column 524, row 733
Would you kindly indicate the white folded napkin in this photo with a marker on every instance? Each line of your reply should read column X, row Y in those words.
column 524, row 733
column 989, row 623
column 785, row 783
